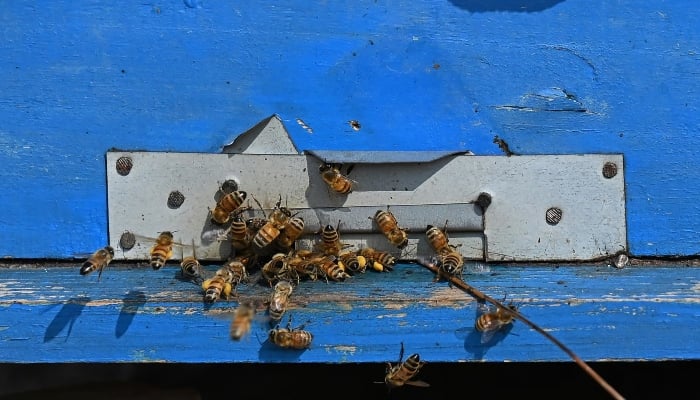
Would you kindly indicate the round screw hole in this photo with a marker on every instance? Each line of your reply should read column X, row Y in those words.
column 229, row 186
column 127, row 241
column 124, row 165
column 175, row 199
column 609, row 169
column 553, row 215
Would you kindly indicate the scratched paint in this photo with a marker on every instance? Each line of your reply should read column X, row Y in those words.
column 107, row 322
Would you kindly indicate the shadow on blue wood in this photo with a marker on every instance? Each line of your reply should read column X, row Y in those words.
column 505, row 5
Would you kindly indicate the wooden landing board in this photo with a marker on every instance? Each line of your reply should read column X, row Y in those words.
column 134, row 314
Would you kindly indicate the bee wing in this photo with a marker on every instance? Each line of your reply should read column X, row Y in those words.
column 417, row 382
column 482, row 308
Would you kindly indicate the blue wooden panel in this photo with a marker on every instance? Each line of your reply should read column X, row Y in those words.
column 546, row 76
column 136, row 314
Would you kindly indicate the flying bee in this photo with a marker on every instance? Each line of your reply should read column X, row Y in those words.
column 339, row 183
column 219, row 285
column 271, row 230
column 98, row 261
column 490, row 320
column 228, row 203
column 190, row 266
column 289, row 338
column 353, row 262
column 390, row 228
column 162, row 250
column 291, row 232
column 279, row 300
column 242, row 320
column 380, row 260
column 404, row 372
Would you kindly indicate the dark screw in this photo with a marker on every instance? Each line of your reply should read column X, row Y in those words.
column 127, row 241
column 124, row 165
column 484, row 200
column 229, row 186
column 609, row 169
column 355, row 125
column 175, row 199
column 553, row 215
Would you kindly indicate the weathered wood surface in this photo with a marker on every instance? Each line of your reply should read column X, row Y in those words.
column 545, row 76
column 134, row 314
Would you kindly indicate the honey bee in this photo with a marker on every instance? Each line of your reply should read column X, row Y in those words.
column 242, row 320
column 353, row 262
column 229, row 203
column 219, row 285
column 328, row 268
column 330, row 240
column 404, row 372
column 271, row 230
column 437, row 238
column 451, row 261
column 492, row 319
column 380, row 260
column 238, row 272
column 279, row 300
column 238, row 233
column 339, row 183
column 98, row 261
column 390, row 228
column 289, row 338
column 300, row 261
column 162, row 250
column 277, row 269
column 291, row 232
column 190, row 266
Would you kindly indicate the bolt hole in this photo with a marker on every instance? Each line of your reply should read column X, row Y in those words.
column 229, row 186
column 609, row 170
column 175, row 199
column 553, row 215
column 124, row 165
column 127, row 241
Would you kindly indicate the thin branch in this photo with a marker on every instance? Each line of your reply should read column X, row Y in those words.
column 480, row 296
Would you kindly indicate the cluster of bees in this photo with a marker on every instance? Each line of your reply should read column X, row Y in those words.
column 268, row 244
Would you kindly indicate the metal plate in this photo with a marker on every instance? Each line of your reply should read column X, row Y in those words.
column 514, row 225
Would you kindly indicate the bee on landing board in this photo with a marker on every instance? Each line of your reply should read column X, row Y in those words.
column 404, row 372
column 390, row 228
column 352, row 261
column 288, row 338
column 218, row 286
column 490, row 320
column 336, row 181
column 191, row 268
column 279, row 300
column 379, row 260
column 98, row 261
